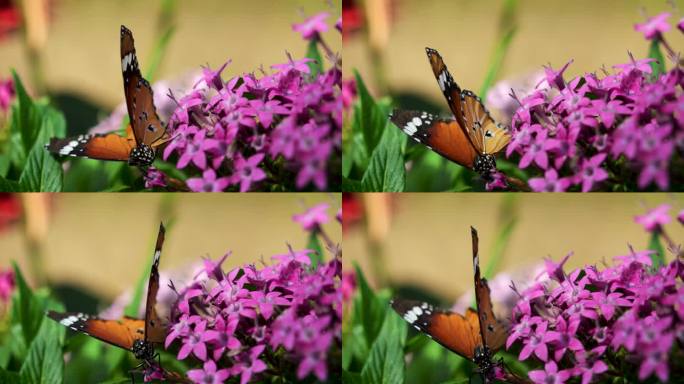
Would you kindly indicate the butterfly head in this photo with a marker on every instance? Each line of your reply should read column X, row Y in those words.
column 142, row 155
column 143, row 350
column 484, row 164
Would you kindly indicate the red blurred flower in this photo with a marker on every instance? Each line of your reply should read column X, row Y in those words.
column 352, row 211
column 10, row 209
column 9, row 18
column 352, row 18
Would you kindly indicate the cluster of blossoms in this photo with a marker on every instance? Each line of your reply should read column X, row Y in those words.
column 622, row 321
column 278, row 320
column 277, row 131
column 619, row 131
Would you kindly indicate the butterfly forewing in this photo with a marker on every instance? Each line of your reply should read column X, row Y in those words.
column 460, row 334
column 449, row 87
column 441, row 135
column 147, row 127
column 493, row 332
column 154, row 329
column 121, row 333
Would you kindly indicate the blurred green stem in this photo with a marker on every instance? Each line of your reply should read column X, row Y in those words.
column 507, row 29
column 35, row 26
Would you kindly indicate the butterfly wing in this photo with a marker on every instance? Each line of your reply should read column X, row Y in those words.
column 487, row 135
column 102, row 147
column 154, row 329
column 493, row 332
column 147, row 127
column 121, row 333
column 460, row 334
column 442, row 136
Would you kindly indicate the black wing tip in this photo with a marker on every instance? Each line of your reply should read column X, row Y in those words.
column 162, row 229
column 473, row 231
column 125, row 30
column 431, row 51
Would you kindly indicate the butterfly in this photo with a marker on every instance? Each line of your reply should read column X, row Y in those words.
column 476, row 335
column 135, row 335
column 144, row 135
column 471, row 139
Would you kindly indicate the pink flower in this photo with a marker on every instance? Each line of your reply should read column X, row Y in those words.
column 208, row 182
column 248, row 172
column 654, row 26
column 312, row 26
column 7, row 94
column 313, row 217
column 6, row 285
column 655, row 218
column 209, row 375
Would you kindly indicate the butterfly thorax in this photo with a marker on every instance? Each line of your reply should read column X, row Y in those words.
column 143, row 350
column 484, row 164
column 141, row 155
column 483, row 359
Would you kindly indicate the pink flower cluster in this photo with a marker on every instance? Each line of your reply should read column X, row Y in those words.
column 278, row 320
column 620, row 131
column 277, row 131
column 591, row 323
column 6, row 285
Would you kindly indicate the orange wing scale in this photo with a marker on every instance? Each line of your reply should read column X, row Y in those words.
column 121, row 333
column 441, row 135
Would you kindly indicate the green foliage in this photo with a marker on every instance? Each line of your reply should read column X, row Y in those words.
column 654, row 52
column 373, row 339
column 658, row 257
column 31, row 349
column 24, row 163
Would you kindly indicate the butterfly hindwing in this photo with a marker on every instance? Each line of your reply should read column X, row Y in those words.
column 493, row 332
column 440, row 135
column 121, row 333
column 147, row 126
column 460, row 334
column 487, row 135
column 154, row 329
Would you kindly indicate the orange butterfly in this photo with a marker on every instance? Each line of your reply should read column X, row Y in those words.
column 135, row 335
column 472, row 139
column 144, row 135
column 476, row 336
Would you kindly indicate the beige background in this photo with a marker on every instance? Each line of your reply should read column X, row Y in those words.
column 428, row 242
column 593, row 33
column 103, row 241
column 82, row 50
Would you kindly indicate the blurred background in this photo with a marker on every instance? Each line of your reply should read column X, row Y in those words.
column 101, row 243
column 423, row 240
column 385, row 40
column 69, row 49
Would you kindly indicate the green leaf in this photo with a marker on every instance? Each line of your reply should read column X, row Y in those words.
column 349, row 185
column 654, row 244
column 312, row 52
column 315, row 244
column 351, row 377
column 386, row 172
column 386, row 361
column 45, row 363
column 26, row 309
column 367, row 309
column 7, row 377
column 25, row 121
column 158, row 52
column 42, row 173
column 10, row 185
column 369, row 118
column 658, row 66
